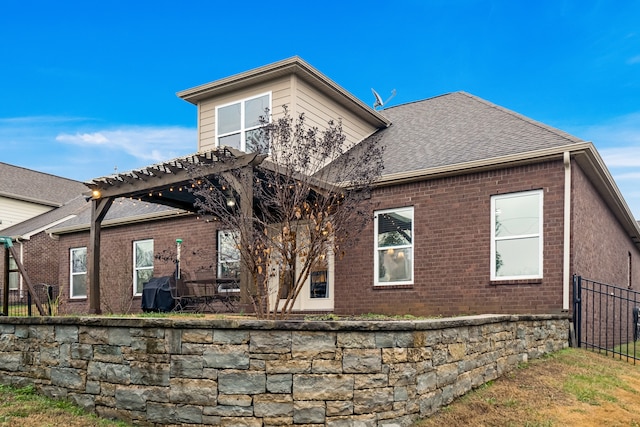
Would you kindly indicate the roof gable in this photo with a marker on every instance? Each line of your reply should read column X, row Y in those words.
column 277, row 70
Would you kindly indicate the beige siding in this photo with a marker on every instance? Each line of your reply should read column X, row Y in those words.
column 280, row 94
column 14, row 211
column 299, row 96
column 319, row 109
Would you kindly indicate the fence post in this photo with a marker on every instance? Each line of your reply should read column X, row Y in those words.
column 577, row 308
column 49, row 298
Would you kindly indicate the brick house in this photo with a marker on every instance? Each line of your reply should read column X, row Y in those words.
column 31, row 202
column 479, row 209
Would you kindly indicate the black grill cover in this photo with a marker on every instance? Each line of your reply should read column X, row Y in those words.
column 156, row 294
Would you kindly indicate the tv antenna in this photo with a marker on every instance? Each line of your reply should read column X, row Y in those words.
column 378, row 102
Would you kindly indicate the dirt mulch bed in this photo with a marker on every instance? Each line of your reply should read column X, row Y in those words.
column 570, row 388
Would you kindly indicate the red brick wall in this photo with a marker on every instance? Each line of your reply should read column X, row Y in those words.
column 600, row 245
column 116, row 258
column 40, row 259
column 452, row 249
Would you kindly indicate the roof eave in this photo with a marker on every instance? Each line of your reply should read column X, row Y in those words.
column 42, row 202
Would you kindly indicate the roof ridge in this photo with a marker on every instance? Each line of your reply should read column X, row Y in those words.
column 40, row 172
column 417, row 101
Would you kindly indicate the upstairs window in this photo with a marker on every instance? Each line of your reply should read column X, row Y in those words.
column 393, row 259
column 142, row 264
column 78, row 273
column 516, row 238
column 237, row 124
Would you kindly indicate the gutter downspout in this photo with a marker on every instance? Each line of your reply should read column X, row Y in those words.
column 566, row 267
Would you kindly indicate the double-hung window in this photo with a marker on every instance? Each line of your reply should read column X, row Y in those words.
column 238, row 123
column 393, row 259
column 78, row 273
column 516, row 238
column 14, row 274
column 228, row 254
column 142, row 264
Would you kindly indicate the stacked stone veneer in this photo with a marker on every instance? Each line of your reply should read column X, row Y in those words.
column 259, row 373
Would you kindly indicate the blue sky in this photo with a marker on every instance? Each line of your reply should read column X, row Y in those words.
column 86, row 87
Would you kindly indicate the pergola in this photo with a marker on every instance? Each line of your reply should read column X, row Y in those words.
column 165, row 183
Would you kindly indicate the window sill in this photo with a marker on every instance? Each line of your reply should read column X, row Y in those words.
column 516, row 282
column 396, row 286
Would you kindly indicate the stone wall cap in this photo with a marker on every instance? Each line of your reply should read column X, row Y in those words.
column 293, row 325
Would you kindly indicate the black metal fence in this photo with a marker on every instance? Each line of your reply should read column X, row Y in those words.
column 606, row 318
column 20, row 302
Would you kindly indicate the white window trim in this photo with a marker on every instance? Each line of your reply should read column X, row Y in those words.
column 523, row 236
column 376, row 256
column 242, row 130
column 71, row 274
column 135, row 268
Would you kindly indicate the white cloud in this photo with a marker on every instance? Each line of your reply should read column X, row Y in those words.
column 148, row 143
column 618, row 142
column 85, row 138
column 81, row 148
column 634, row 60
column 621, row 157
column 629, row 176
column 39, row 120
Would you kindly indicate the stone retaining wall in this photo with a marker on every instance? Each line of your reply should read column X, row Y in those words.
column 269, row 373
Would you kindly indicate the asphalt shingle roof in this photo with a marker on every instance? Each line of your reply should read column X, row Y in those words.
column 456, row 128
column 25, row 184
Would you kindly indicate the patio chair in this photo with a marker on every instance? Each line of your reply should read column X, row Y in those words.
column 179, row 292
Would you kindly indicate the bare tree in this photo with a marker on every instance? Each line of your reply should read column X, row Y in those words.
column 308, row 197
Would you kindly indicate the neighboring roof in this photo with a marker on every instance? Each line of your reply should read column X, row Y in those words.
column 122, row 211
column 32, row 226
column 458, row 128
column 294, row 65
column 42, row 188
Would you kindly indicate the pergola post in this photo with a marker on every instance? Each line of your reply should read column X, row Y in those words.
column 243, row 186
column 99, row 209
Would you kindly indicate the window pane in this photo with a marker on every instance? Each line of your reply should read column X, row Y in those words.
column 144, row 254
column 228, row 250
column 518, row 257
column 395, row 228
column 254, row 108
column 14, row 280
column 394, row 265
column 12, row 263
column 229, row 119
column 517, row 216
column 254, row 142
column 319, row 284
column 79, row 260
column 230, row 270
column 143, row 276
column 79, row 285
column 232, row 141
